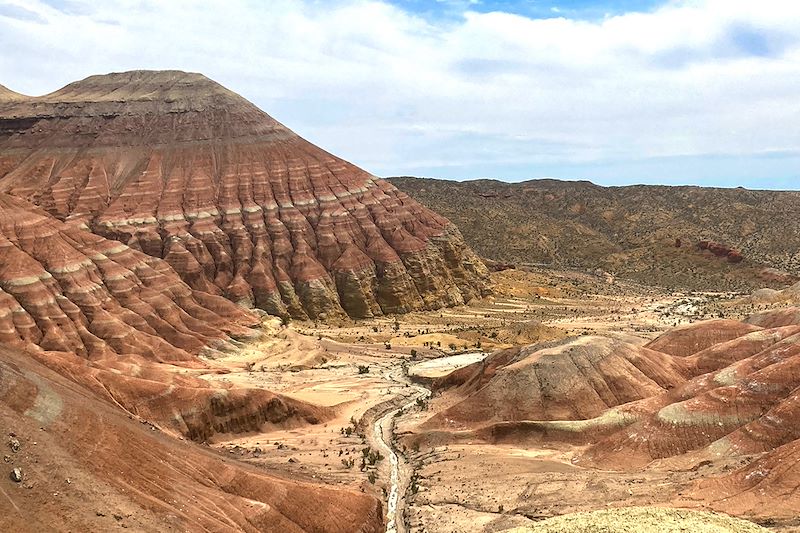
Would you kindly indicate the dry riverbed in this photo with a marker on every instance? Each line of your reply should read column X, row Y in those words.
column 362, row 371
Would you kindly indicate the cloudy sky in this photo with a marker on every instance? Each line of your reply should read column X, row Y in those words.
column 616, row 92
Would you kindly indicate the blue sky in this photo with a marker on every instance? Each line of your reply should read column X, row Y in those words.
column 675, row 92
column 583, row 9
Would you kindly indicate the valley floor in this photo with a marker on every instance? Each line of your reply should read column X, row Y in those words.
column 369, row 373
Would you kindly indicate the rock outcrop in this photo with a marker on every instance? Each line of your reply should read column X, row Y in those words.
column 574, row 380
column 687, row 340
column 125, row 326
column 721, row 250
column 720, row 393
column 64, row 289
column 177, row 166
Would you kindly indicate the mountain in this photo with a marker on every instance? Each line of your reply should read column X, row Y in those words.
column 64, row 289
column 176, row 166
column 631, row 231
column 124, row 325
column 101, row 370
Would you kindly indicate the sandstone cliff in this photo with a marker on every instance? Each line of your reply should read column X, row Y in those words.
column 125, row 326
column 64, row 289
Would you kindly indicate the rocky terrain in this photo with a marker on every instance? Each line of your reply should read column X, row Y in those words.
column 642, row 520
column 86, row 465
column 647, row 233
column 151, row 221
column 119, row 322
column 705, row 411
column 67, row 290
column 176, row 166
column 103, row 354
column 576, row 380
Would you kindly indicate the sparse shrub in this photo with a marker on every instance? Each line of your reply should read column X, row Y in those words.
column 374, row 457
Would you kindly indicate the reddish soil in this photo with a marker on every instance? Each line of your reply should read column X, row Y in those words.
column 711, row 410
column 87, row 466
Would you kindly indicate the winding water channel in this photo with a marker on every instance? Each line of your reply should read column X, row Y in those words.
column 384, row 431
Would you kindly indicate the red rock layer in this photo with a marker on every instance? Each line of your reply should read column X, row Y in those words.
column 178, row 167
column 776, row 318
column 576, row 380
column 734, row 409
column 765, row 488
column 118, row 321
column 721, row 250
column 687, row 340
column 65, row 289
column 729, row 388
column 89, row 467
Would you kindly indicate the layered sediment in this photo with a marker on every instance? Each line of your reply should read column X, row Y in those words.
column 180, row 168
column 63, row 289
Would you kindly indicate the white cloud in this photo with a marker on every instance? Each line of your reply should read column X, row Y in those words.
column 396, row 92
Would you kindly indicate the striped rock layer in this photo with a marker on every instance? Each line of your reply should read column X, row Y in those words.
column 177, row 166
column 119, row 322
column 64, row 289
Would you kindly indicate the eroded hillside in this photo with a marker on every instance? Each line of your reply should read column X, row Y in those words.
column 631, row 231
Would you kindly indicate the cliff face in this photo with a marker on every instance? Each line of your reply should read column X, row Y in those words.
column 110, row 317
column 177, row 166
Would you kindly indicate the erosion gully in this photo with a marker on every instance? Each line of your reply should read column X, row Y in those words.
column 399, row 473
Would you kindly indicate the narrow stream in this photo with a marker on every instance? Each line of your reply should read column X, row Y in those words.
column 383, row 426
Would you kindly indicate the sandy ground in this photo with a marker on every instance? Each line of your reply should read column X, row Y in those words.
column 476, row 487
column 642, row 520
column 442, row 366
column 360, row 370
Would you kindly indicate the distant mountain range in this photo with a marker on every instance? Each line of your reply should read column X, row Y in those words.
column 630, row 231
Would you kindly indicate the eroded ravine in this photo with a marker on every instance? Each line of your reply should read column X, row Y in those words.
column 383, row 431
